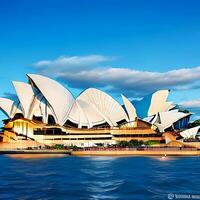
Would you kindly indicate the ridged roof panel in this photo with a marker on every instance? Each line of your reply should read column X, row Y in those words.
column 25, row 95
column 105, row 105
column 8, row 107
column 190, row 133
column 60, row 99
column 129, row 108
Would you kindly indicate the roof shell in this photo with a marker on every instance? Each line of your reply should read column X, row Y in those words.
column 84, row 114
column 105, row 105
column 25, row 95
column 129, row 108
column 59, row 98
column 190, row 133
column 9, row 107
column 153, row 103
column 168, row 118
column 89, row 112
column 159, row 102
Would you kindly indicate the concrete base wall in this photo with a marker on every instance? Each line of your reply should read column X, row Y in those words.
column 20, row 144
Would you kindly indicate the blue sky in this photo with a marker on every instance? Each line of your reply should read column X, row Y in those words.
column 110, row 44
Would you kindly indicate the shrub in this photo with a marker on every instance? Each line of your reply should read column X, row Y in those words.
column 59, row 146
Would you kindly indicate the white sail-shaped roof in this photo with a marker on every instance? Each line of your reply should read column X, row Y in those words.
column 46, row 110
column 8, row 107
column 44, row 97
column 83, row 118
column 84, row 114
column 78, row 116
column 129, row 108
column 59, row 98
column 89, row 112
column 105, row 105
column 35, row 105
column 40, row 108
column 153, row 103
column 190, row 133
column 74, row 114
column 159, row 102
column 25, row 95
column 168, row 118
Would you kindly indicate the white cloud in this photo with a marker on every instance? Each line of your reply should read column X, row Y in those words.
column 130, row 80
column 74, row 60
column 191, row 104
column 88, row 71
column 74, row 63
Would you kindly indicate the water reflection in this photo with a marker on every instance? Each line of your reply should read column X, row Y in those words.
column 164, row 158
column 34, row 156
column 102, row 182
column 97, row 178
column 102, row 158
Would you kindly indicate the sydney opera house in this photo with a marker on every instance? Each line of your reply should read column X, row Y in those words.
column 47, row 113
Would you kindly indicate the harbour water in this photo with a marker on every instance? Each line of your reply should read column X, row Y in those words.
column 97, row 178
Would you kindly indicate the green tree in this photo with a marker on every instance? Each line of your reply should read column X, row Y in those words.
column 194, row 123
column 151, row 142
column 59, row 146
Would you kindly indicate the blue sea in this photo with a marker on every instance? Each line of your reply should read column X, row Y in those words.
column 97, row 178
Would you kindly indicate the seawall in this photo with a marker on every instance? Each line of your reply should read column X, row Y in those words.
column 137, row 153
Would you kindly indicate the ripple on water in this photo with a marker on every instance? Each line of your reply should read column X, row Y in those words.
column 96, row 178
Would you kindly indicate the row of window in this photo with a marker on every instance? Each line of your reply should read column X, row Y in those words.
column 57, row 131
column 137, row 135
column 101, row 138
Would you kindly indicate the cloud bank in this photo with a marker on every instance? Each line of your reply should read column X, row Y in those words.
column 93, row 71
column 63, row 64
column 191, row 104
